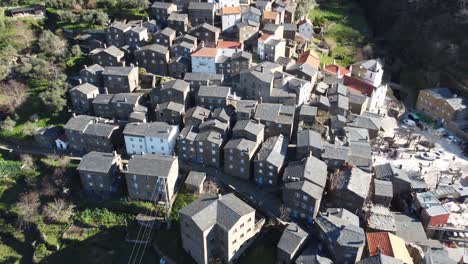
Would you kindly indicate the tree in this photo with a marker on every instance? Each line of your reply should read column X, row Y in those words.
column 29, row 128
column 96, row 16
column 27, row 207
column 76, row 51
column 13, row 93
column 52, row 44
column 141, row 4
column 8, row 124
column 28, row 162
column 54, row 97
column 59, row 211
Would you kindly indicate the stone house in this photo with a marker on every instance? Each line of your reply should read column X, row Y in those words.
column 111, row 56
column 339, row 230
column 306, row 28
column 309, row 142
column 206, row 33
column 178, row 67
column 292, row 241
column 272, row 17
column 124, row 104
column 178, row 22
column 204, row 60
column 230, row 16
column 218, row 228
column 240, row 61
column 249, row 129
column 183, row 49
column 443, row 104
column 269, row 162
column 209, row 148
column 74, row 129
column 164, row 37
column 100, row 172
column 277, row 118
column 153, row 58
column 200, row 13
column 350, row 189
column 194, row 182
column 335, row 155
column 45, row 136
column 102, row 106
column 197, row 79
column 245, row 109
column 251, row 13
column 92, row 74
column 247, row 34
column 162, row 10
column 115, row 34
column 152, row 177
column 120, row 79
column 186, row 144
column 172, row 91
column 137, row 37
column 81, row 97
column 212, row 97
column 383, row 192
column 102, row 137
column 238, row 157
column 170, row 112
column 196, row 115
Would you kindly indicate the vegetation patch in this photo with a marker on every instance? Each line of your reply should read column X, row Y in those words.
column 97, row 217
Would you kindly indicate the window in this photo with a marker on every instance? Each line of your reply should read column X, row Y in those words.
column 305, row 198
column 101, row 185
column 213, row 160
column 233, row 242
column 90, row 184
column 242, row 225
column 89, row 176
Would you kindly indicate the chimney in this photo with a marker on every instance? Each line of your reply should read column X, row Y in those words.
column 455, row 95
column 123, row 63
column 220, row 196
column 73, row 115
column 114, row 153
column 105, row 45
column 334, row 62
column 261, row 100
column 147, row 19
column 202, row 44
column 338, row 72
column 106, row 91
column 86, row 67
column 261, row 68
column 80, row 81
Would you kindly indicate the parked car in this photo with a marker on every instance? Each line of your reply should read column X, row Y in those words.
column 441, row 132
column 413, row 117
column 427, row 156
column 409, row 122
column 453, row 139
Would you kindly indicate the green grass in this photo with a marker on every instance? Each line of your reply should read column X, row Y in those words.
column 346, row 28
column 182, row 200
column 97, row 217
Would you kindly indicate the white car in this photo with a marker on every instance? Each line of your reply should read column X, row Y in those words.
column 409, row 122
column 427, row 156
column 453, row 139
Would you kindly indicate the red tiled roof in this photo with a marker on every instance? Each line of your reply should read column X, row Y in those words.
column 224, row 44
column 264, row 37
column 310, row 57
column 379, row 241
column 270, row 14
column 205, row 52
column 333, row 69
column 358, row 85
column 230, row 10
column 305, row 20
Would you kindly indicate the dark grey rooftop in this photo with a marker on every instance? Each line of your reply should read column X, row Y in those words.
column 249, row 126
column 100, row 162
column 85, row 88
column 167, row 31
column 307, row 187
column 210, row 136
column 246, row 106
column 383, row 188
column 162, row 5
column 79, row 123
column 151, row 165
column 103, row 98
column 309, row 169
column 177, row 16
column 307, row 110
column 118, row 71
column 154, row 47
column 173, row 106
column 363, row 122
column 100, row 130
column 290, row 27
column 247, row 146
column 127, row 98
column 273, row 150
column 201, row 5
column 292, row 239
column 341, row 231
column 336, row 152
column 309, row 138
column 198, row 112
column 94, row 68
column 199, row 76
column 214, row 91
column 354, row 180
column 153, row 129
column 195, row 178
column 179, row 85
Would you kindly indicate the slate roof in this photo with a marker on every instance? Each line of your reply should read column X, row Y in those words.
column 176, row 84
column 79, row 123
column 309, row 169
column 85, row 88
column 153, row 129
column 383, row 188
column 223, row 114
column 360, row 154
column 195, row 178
column 214, row 91
column 208, row 211
column 341, row 231
column 94, row 68
column 251, row 9
column 273, row 150
column 242, row 144
column 114, row 51
column 201, row 5
column 363, row 122
column 292, row 239
column 167, row 31
column 103, row 99
column 187, row 133
column 173, row 106
column 307, row 110
column 97, row 162
column 177, row 16
column 242, row 54
column 384, row 171
column 448, row 96
column 290, row 27
column 210, row 136
column 100, row 130
column 127, row 98
column 120, row 25
column 246, row 106
column 356, row 134
column 198, row 112
column 162, row 5
column 336, row 152
column 249, row 126
column 309, row 138
column 307, row 187
column 277, row 113
column 372, row 65
column 154, row 47
column 151, row 165
column 118, row 71
column 354, row 180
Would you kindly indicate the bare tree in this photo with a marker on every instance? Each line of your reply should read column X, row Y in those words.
column 27, row 162
column 48, row 187
column 14, row 93
column 59, row 211
column 27, row 207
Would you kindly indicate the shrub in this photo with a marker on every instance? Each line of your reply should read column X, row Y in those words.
column 101, row 217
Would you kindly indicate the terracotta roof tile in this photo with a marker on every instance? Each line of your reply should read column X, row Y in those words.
column 270, row 14
column 310, row 57
column 388, row 244
column 333, row 69
column 224, row 44
column 205, row 52
column 230, row 10
column 358, row 85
